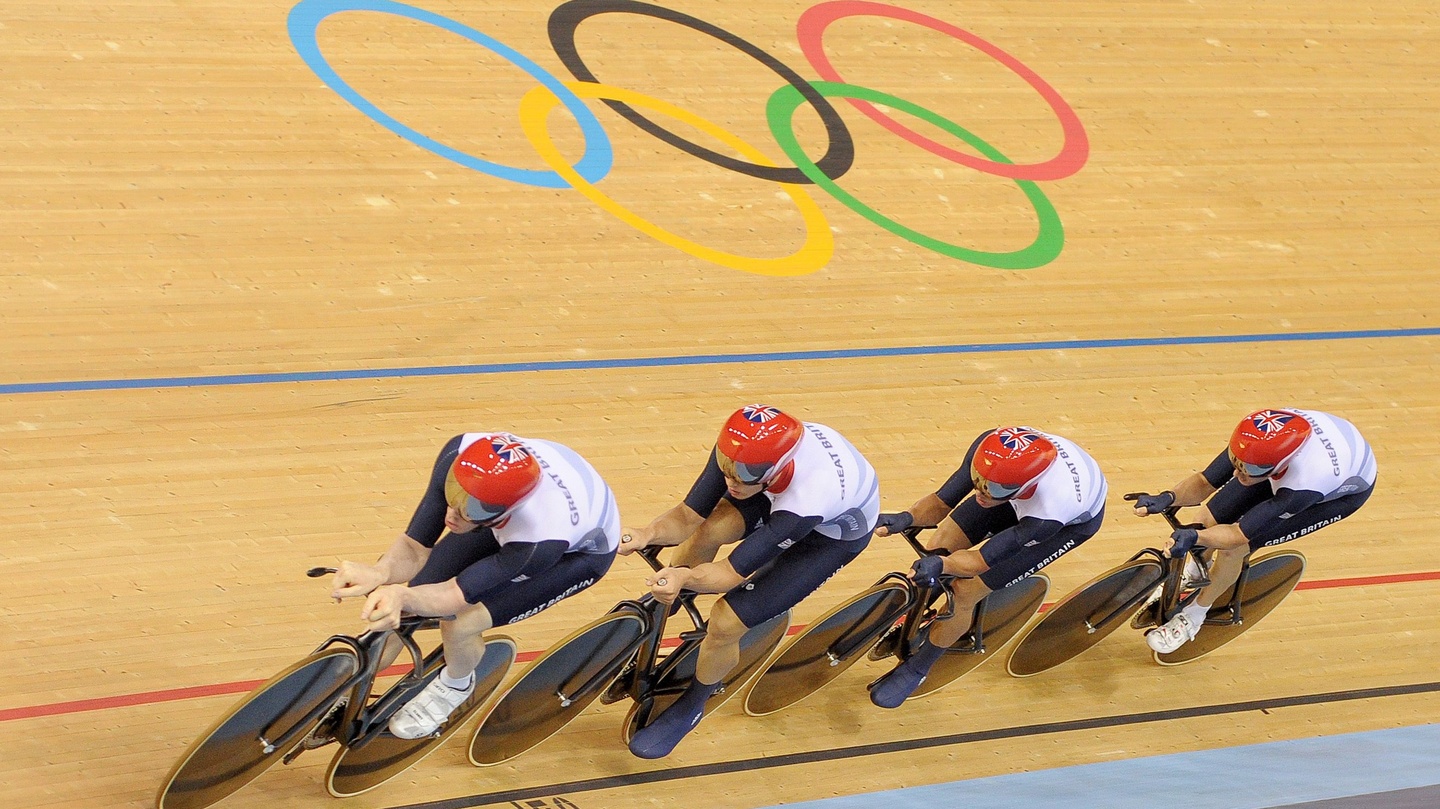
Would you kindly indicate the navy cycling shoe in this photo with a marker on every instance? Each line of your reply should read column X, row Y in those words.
column 657, row 739
column 894, row 688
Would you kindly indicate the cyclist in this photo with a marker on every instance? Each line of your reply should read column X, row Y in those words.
column 1319, row 470
column 530, row 523
column 1036, row 497
column 801, row 501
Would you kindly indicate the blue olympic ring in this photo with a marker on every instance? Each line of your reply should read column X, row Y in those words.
column 305, row 19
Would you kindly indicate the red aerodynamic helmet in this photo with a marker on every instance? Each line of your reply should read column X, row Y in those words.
column 1266, row 440
column 490, row 477
column 1009, row 461
column 756, row 443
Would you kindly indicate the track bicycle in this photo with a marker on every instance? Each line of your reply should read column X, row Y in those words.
column 886, row 620
column 326, row 698
column 613, row 658
column 1128, row 592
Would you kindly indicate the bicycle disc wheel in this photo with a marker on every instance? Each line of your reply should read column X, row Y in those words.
column 230, row 754
column 361, row 767
column 1006, row 612
column 678, row 669
column 532, row 710
column 827, row 648
column 1083, row 618
column 1268, row 582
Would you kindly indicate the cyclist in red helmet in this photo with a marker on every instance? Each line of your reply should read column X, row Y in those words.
column 1319, row 470
column 1036, row 497
column 800, row 500
column 530, row 523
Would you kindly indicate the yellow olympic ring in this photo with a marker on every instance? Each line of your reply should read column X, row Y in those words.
column 819, row 243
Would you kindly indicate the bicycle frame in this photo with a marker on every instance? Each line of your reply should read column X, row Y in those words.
column 361, row 721
column 639, row 666
column 1171, row 595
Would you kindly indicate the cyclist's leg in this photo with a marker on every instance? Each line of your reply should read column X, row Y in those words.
column 1010, row 561
column 798, row 571
column 1226, row 507
column 575, row 572
column 1227, row 564
column 452, row 554
column 975, row 523
column 465, row 645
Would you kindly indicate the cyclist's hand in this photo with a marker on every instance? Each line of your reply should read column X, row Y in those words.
column 634, row 539
column 893, row 523
column 1147, row 504
column 353, row 579
column 1182, row 540
column 926, row 571
column 666, row 583
column 384, row 607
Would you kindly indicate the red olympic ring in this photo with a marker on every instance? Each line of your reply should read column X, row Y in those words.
column 810, row 31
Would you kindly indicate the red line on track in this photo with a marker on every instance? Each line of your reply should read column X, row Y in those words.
column 219, row 689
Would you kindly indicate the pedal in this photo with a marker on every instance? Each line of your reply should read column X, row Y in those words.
column 966, row 646
column 1148, row 615
column 1195, row 575
column 888, row 645
column 618, row 689
column 324, row 732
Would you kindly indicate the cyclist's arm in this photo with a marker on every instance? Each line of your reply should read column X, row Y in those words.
column 677, row 524
column 1222, row 537
column 403, row 560
column 1192, row 491
column 1197, row 488
column 672, row 527
column 760, row 546
column 953, row 490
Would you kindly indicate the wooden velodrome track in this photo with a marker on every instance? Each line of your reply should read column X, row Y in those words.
column 239, row 317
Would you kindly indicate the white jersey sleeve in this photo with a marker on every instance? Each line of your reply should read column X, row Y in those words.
column 834, row 482
column 1070, row 492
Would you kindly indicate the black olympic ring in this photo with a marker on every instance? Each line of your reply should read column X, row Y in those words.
column 838, row 158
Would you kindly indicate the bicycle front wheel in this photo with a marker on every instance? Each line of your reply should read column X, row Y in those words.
column 233, row 752
column 827, row 648
column 553, row 690
column 1085, row 617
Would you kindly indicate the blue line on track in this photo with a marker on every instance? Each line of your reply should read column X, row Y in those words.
column 695, row 359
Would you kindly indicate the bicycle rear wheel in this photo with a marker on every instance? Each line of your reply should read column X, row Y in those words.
column 678, row 669
column 1267, row 583
column 546, row 697
column 1085, row 617
column 828, row 647
column 231, row 754
column 1007, row 610
column 363, row 765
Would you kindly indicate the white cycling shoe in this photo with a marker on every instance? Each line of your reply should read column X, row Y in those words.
column 427, row 711
column 1173, row 634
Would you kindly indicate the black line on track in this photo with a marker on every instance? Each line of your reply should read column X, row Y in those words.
column 857, row 751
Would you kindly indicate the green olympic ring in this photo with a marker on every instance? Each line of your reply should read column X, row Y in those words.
column 780, row 111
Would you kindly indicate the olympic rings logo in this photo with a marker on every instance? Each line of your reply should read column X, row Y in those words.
column 598, row 157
